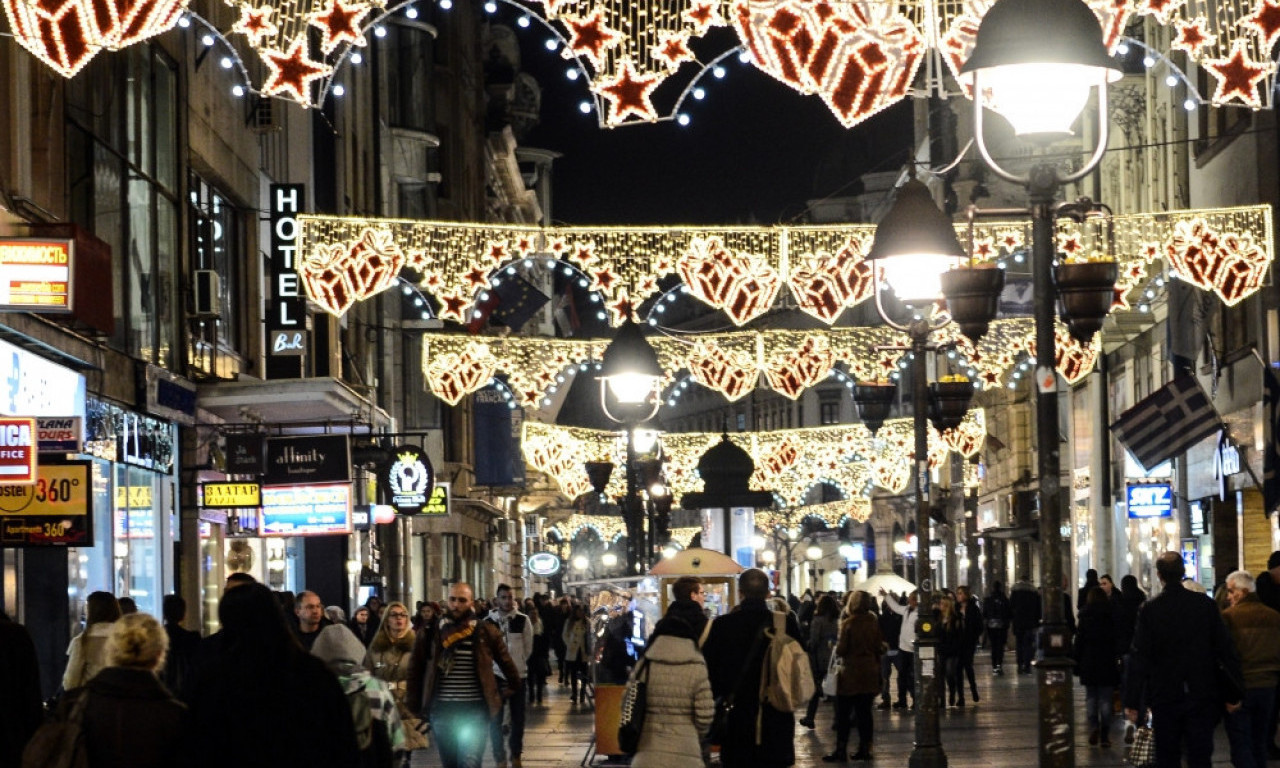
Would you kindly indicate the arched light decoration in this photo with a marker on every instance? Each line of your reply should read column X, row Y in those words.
column 824, row 266
column 914, row 244
column 1036, row 62
column 66, row 35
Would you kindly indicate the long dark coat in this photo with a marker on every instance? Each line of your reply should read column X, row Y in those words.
column 20, row 708
column 734, row 659
column 132, row 721
column 1096, row 661
column 859, row 648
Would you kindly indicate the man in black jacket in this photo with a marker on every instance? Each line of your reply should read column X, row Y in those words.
column 735, row 651
column 1182, row 658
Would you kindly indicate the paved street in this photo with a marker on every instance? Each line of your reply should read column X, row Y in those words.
column 998, row 732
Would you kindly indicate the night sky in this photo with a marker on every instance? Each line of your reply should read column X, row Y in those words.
column 754, row 152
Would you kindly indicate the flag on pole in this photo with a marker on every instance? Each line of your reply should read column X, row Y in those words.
column 1167, row 422
column 566, row 312
column 512, row 302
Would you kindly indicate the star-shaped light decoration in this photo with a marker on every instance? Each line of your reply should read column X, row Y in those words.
column 339, row 22
column 1163, row 10
column 292, row 72
column 603, row 280
column 1070, row 244
column 590, row 36
column 1193, row 36
column 1266, row 19
column 525, row 245
column 1238, row 76
column 496, row 252
column 582, row 254
column 673, row 48
column 476, row 277
column 628, row 94
column 452, row 306
column 255, row 23
column 622, row 308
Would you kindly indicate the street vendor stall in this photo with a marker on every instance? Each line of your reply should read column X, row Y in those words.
column 719, row 574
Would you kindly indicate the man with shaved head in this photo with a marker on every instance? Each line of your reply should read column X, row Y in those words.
column 452, row 682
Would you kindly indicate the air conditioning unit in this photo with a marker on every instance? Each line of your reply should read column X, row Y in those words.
column 208, row 287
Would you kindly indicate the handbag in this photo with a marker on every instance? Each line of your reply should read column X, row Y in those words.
column 59, row 743
column 634, row 699
column 831, row 681
column 719, row 731
column 1142, row 753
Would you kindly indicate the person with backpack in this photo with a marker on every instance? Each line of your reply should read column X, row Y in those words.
column 380, row 734
column 758, row 734
column 859, row 649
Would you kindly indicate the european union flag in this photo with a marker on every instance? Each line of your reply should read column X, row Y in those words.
column 518, row 301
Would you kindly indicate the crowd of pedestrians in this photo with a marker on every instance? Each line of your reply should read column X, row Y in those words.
column 287, row 681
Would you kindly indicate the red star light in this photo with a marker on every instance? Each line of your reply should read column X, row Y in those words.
column 1265, row 19
column 628, row 94
column 476, row 278
column 1163, row 10
column 591, row 37
column 558, row 247
column 291, row 72
column 673, row 48
column 622, row 308
column 1193, row 36
column 703, row 16
column 524, row 245
column 339, row 22
column 497, row 252
column 1070, row 244
column 583, row 254
column 255, row 24
column 1237, row 76
column 603, row 280
column 452, row 306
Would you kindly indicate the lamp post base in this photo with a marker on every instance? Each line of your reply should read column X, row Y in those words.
column 927, row 757
column 1057, row 712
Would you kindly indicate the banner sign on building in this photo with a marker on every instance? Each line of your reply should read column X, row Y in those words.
column 17, row 450
column 306, row 510
column 35, row 274
column 230, row 495
column 287, row 315
column 246, row 454
column 34, row 386
column 60, row 434
column 308, row 459
column 409, row 479
column 1149, row 500
column 438, row 502
column 57, row 510
column 166, row 394
column 499, row 458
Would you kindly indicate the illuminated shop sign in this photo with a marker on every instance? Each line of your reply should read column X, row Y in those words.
column 56, row 510
column 35, row 275
column 306, row 510
column 544, row 564
column 1149, row 500
column 438, row 502
column 286, row 321
column 230, row 495
column 409, row 479
column 60, row 434
column 17, row 450
column 33, row 386
column 308, row 459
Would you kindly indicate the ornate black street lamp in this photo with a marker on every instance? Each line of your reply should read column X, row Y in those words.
column 630, row 382
column 1036, row 62
column 915, row 245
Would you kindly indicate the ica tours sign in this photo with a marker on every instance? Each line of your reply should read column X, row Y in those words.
column 18, row 450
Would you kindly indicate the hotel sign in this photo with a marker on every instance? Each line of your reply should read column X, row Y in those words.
column 35, row 274
column 287, row 317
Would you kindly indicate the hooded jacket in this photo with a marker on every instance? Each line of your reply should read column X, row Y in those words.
column 678, row 706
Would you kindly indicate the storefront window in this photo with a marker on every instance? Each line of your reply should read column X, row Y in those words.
column 89, row 568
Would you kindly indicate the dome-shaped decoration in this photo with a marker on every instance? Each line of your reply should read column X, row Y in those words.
column 725, row 468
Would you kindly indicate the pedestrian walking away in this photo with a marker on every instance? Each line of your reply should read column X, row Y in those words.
column 1255, row 630
column 859, row 648
column 996, row 614
column 678, row 702
column 1097, row 664
column 906, row 645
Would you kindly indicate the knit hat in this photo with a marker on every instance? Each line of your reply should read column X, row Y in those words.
column 338, row 648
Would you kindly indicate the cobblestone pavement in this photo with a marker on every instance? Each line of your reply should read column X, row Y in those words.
column 997, row 732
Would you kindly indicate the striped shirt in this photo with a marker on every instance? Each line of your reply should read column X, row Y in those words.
column 461, row 683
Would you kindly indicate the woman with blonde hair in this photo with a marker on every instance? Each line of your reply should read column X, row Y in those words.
column 130, row 718
column 859, row 647
column 388, row 660
column 87, row 653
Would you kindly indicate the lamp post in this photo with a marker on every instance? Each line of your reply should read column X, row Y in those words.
column 630, row 377
column 1036, row 62
column 915, row 244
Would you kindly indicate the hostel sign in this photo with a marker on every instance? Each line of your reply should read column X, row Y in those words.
column 56, row 510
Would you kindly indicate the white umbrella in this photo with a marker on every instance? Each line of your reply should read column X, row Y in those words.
column 889, row 582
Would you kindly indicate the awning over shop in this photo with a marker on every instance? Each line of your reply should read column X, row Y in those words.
column 1010, row 533
column 315, row 401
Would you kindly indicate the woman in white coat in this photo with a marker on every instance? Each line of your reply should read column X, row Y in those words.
column 577, row 637
column 678, row 703
column 87, row 654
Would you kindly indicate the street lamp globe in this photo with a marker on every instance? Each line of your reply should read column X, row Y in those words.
column 1035, row 62
column 630, row 373
column 757, row 542
column 847, row 551
column 915, row 243
column 609, row 559
column 580, row 563
column 813, row 552
column 768, row 557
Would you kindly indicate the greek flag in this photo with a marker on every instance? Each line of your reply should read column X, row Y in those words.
column 1167, row 422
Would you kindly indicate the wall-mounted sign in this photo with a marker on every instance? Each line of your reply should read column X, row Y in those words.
column 59, row 434
column 308, row 459
column 246, row 453
column 55, row 511
column 17, row 450
column 306, row 510
column 287, row 315
column 1149, row 500
column 409, row 479
column 543, row 564
column 230, row 495
column 438, row 502
column 35, row 274
column 1190, row 550
column 166, row 394
column 32, row 386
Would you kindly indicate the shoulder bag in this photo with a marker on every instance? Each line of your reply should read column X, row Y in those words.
column 634, row 700
column 59, row 743
column 831, row 682
column 1142, row 754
